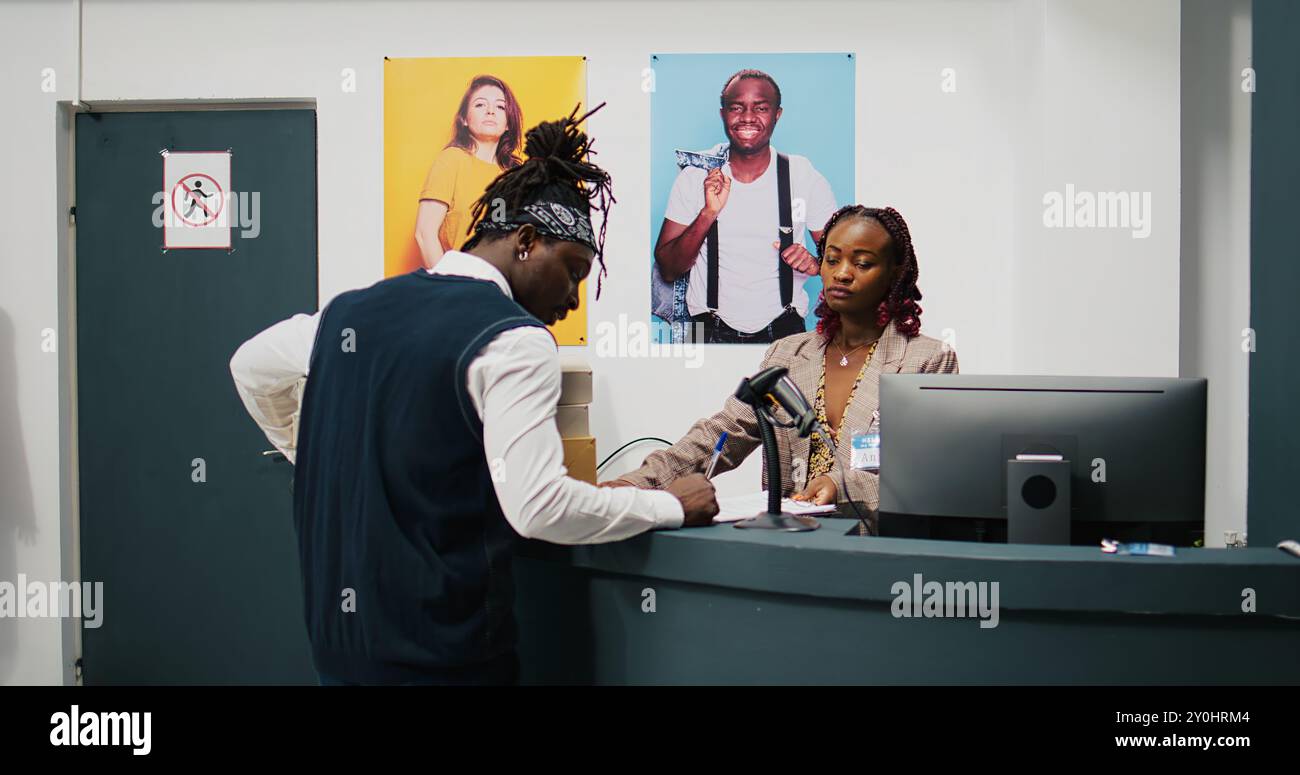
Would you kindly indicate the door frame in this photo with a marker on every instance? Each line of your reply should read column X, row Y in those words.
column 65, row 142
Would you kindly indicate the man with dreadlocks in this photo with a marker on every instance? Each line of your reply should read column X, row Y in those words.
column 427, row 437
column 870, row 324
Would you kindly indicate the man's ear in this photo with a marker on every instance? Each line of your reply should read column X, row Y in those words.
column 525, row 238
column 777, row 115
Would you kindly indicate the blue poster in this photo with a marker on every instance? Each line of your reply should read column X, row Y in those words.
column 719, row 123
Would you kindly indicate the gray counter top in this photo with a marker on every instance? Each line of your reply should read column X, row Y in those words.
column 828, row 564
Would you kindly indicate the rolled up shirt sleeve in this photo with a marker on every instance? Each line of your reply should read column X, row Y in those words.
column 269, row 371
column 514, row 384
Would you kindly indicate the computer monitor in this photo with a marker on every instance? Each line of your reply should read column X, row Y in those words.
column 956, row 450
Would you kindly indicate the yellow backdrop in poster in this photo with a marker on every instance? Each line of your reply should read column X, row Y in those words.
column 420, row 101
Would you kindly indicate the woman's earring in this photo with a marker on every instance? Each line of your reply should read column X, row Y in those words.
column 523, row 255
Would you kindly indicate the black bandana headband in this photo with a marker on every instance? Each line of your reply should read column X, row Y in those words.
column 559, row 221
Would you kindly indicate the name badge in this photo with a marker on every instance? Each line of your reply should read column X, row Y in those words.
column 866, row 451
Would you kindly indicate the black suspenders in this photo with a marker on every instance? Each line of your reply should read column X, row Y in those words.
column 785, row 235
column 711, row 243
column 787, row 227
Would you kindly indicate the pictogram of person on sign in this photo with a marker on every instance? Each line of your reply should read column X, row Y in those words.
column 194, row 198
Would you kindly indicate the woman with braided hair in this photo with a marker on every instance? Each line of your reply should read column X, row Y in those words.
column 427, row 442
column 869, row 325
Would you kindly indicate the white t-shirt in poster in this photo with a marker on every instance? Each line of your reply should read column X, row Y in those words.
column 749, row 286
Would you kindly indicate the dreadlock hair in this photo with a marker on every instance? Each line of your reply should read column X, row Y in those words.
column 900, row 305
column 759, row 74
column 556, row 170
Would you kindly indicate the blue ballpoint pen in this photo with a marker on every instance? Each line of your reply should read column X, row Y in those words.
column 717, row 453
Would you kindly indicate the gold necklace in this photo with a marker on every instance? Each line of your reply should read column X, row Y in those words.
column 844, row 356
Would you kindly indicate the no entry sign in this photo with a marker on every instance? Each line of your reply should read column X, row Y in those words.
column 198, row 199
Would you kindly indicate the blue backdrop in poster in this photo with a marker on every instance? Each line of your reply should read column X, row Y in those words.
column 817, row 102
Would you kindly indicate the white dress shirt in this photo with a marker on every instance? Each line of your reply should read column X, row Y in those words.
column 514, row 383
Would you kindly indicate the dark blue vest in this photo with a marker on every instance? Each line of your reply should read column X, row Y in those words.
column 405, row 551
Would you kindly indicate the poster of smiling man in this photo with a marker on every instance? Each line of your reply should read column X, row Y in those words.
column 750, row 155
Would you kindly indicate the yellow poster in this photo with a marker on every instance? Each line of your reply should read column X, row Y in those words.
column 451, row 125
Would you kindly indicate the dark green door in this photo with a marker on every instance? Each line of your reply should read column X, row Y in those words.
column 186, row 523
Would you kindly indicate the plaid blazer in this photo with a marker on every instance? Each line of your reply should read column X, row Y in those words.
column 802, row 354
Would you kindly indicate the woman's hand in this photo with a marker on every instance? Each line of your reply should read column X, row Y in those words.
column 819, row 491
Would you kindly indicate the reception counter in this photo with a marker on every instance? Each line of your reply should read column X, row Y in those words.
column 721, row 605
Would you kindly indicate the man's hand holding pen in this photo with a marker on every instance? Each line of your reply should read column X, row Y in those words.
column 694, row 491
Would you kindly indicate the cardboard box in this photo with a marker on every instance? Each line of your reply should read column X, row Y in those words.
column 580, row 458
column 575, row 381
column 573, row 421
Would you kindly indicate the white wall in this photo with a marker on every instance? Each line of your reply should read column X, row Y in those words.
column 35, row 36
column 1102, row 115
column 1216, row 243
column 1048, row 93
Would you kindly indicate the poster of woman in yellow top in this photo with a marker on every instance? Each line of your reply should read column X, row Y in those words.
column 484, row 138
column 451, row 125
